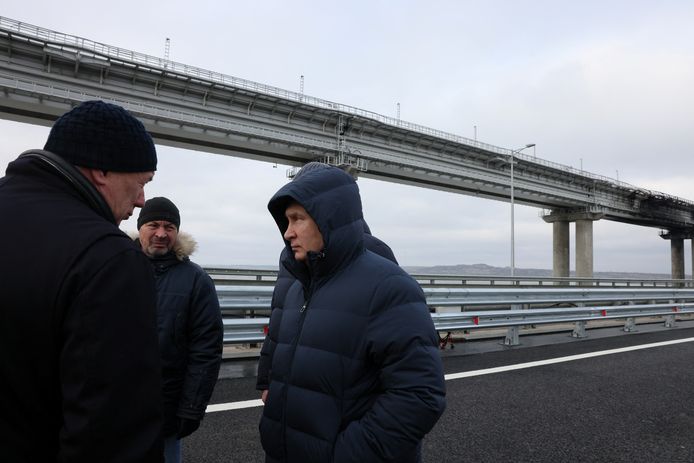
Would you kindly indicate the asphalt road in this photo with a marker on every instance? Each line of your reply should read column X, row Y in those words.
column 625, row 406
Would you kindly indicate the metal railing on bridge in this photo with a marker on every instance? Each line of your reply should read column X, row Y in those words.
column 256, row 276
column 496, row 302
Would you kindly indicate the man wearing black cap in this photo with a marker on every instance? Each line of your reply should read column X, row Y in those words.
column 190, row 322
column 79, row 362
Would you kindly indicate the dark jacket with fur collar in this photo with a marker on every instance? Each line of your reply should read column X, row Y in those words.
column 356, row 373
column 190, row 333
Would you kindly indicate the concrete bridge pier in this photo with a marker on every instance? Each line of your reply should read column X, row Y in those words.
column 677, row 238
column 584, row 248
column 584, row 241
column 677, row 258
column 560, row 249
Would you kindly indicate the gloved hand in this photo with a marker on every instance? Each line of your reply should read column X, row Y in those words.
column 186, row 427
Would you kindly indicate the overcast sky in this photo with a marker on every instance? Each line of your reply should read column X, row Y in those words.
column 602, row 85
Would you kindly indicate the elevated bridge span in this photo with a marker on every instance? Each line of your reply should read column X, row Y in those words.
column 43, row 73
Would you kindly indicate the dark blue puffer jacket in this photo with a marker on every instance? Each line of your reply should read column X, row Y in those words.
column 356, row 374
column 282, row 285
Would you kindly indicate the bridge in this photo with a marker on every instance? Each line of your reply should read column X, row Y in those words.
column 43, row 73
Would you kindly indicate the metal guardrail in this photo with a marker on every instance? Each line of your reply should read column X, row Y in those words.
column 253, row 330
column 534, row 281
column 506, row 318
column 493, row 307
column 515, row 318
column 255, row 276
column 239, row 301
column 245, row 330
column 447, row 297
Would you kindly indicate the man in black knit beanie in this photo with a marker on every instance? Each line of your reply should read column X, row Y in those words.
column 79, row 359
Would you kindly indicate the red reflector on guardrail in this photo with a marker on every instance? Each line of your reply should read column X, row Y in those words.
column 265, row 330
column 476, row 320
column 604, row 312
column 675, row 309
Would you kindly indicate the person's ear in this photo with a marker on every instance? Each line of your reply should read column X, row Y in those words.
column 96, row 176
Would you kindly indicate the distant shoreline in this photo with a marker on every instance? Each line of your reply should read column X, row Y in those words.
column 486, row 270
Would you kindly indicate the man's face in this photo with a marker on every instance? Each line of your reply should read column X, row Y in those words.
column 158, row 237
column 302, row 232
column 124, row 192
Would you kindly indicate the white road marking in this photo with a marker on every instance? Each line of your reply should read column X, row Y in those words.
column 234, row 405
column 486, row 371
column 570, row 358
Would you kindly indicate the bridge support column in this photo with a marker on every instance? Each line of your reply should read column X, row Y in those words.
column 677, row 238
column 584, row 248
column 584, row 241
column 677, row 258
column 561, row 253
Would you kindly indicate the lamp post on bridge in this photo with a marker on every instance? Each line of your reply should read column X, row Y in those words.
column 513, row 242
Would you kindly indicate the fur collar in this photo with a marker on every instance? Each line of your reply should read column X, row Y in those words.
column 184, row 248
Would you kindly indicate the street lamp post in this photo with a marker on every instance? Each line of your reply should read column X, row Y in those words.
column 513, row 243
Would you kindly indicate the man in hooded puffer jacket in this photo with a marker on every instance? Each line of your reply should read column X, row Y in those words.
column 356, row 374
column 285, row 281
column 189, row 320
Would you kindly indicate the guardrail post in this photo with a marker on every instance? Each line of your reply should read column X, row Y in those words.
column 670, row 319
column 512, row 338
column 579, row 330
column 630, row 324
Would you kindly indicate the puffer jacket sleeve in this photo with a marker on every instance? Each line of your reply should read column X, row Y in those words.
column 402, row 342
column 205, row 340
column 110, row 357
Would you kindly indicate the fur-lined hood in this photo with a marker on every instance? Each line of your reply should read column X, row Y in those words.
column 184, row 248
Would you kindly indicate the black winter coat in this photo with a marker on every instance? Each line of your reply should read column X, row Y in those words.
column 190, row 333
column 279, row 293
column 356, row 374
column 79, row 360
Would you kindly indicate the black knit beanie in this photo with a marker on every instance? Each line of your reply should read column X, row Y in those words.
column 103, row 136
column 159, row 208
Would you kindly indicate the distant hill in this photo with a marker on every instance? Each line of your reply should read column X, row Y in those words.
column 484, row 269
